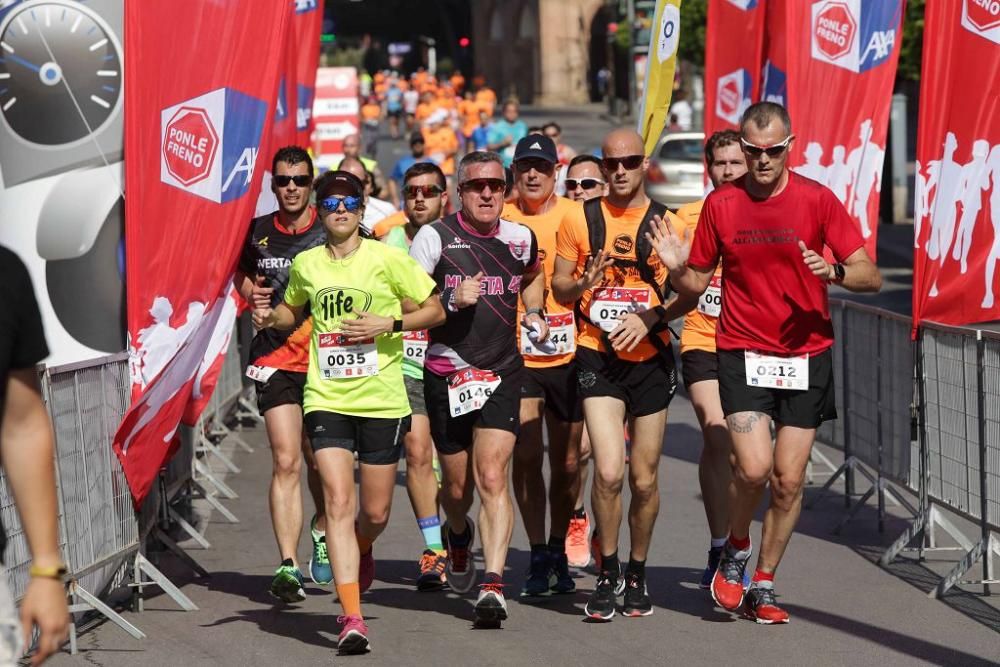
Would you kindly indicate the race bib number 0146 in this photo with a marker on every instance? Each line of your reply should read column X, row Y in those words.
column 610, row 303
column 710, row 303
column 339, row 358
column 415, row 346
column 777, row 372
column 469, row 390
column 561, row 340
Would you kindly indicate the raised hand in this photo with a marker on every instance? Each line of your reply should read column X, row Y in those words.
column 593, row 272
column 673, row 250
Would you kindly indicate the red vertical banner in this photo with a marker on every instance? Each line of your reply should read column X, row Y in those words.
column 194, row 127
column 842, row 57
column 733, row 46
column 307, row 25
column 957, row 207
column 774, row 67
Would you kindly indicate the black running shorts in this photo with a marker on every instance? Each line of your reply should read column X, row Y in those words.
column 646, row 387
column 282, row 388
column 377, row 441
column 698, row 366
column 454, row 434
column 557, row 386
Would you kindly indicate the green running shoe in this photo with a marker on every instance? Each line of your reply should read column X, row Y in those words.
column 320, row 570
column 287, row 583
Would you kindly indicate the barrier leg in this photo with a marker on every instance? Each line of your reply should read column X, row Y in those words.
column 963, row 566
column 209, row 475
column 91, row 602
column 188, row 528
column 248, row 411
column 848, row 463
column 214, row 502
column 165, row 584
column 854, row 509
column 224, row 432
column 207, row 445
column 175, row 548
column 914, row 530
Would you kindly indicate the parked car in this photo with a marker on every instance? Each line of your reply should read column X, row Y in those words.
column 676, row 173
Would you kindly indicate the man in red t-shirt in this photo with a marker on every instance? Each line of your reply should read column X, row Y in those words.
column 774, row 335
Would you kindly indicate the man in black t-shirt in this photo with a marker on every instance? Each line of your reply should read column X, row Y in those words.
column 27, row 450
column 278, row 363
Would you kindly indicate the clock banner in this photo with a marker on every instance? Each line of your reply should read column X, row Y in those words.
column 957, row 182
column 198, row 115
column 733, row 42
column 842, row 57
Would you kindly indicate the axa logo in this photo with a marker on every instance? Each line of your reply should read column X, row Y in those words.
column 982, row 17
column 304, row 105
column 732, row 96
column 209, row 144
column 775, row 84
column 856, row 35
column 745, row 5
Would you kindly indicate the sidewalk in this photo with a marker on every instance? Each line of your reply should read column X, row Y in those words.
column 845, row 610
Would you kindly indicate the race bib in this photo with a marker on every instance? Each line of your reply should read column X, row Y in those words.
column 609, row 303
column 260, row 373
column 469, row 390
column 777, row 372
column 340, row 359
column 561, row 340
column 415, row 346
column 710, row 303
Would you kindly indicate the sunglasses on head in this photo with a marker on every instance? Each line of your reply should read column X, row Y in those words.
column 774, row 150
column 427, row 191
column 480, row 184
column 330, row 204
column 630, row 162
column 302, row 180
column 585, row 183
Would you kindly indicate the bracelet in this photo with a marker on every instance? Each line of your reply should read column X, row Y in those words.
column 51, row 572
column 535, row 311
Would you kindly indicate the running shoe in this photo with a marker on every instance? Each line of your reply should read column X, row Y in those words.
column 366, row 570
column 461, row 571
column 539, row 575
column 714, row 555
column 637, row 602
column 432, row 566
column 560, row 580
column 319, row 563
column 353, row 639
column 602, row 602
column 578, row 542
column 762, row 607
column 287, row 583
column 491, row 607
column 727, row 584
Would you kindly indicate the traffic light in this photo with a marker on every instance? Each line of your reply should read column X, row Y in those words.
column 464, row 42
column 327, row 38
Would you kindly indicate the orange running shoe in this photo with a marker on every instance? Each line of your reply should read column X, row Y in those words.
column 578, row 541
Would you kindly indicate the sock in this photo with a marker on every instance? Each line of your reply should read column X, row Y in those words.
column 739, row 545
column 762, row 579
column 718, row 543
column 492, row 578
column 539, row 548
column 350, row 598
column 459, row 540
column 557, row 545
column 431, row 528
column 580, row 513
column 288, row 562
column 365, row 544
column 636, row 567
column 610, row 564
column 315, row 532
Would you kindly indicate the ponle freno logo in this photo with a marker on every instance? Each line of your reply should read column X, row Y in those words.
column 209, row 144
column 982, row 17
column 745, row 5
column 732, row 96
column 856, row 35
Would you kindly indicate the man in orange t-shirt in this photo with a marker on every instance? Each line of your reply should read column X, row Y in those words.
column 468, row 114
column 549, row 388
column 487, row 100
column 625, row 367
column 700, row 362
column 441, row 142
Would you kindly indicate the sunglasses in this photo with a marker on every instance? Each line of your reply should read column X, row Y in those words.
column 479, row 184
column 330, row 204
column 302, row 180
column 772, row 151
column 426, row 191
column 630, row 162
column 585, row 183
column 541, row 166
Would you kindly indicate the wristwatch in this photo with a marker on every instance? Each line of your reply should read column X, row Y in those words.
column 838, row 273
column 51, row 572
column 397, row 325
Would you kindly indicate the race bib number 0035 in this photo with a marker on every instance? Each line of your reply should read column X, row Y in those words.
column 561, row 340
column 710, row 303
column 610, row 303
column 339, row 358
column 415, row 346
column 777, row 372
column 469, row 390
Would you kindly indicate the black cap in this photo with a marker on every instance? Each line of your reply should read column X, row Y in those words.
column 341, row 180
column 536, row 145
column 416, row 138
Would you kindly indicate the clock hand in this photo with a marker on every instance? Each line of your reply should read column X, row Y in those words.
column 21, row 61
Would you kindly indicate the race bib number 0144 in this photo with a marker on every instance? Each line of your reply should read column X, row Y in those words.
column 469, row 390
column 561, row 340
column 339, row 358
column 777, row 372
column 610, row 303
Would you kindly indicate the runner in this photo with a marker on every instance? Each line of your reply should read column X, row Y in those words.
column 507, row 131
column 394, row 107
column 774, row 335
column 278, row 364
column 700, row 363
column 354, row 399
column 425, row 194
column 375, row 209
column 417, row 154
column 624, row 362
column 549, row 388
column 587, row 181
column 473, row 371
column 352, row 148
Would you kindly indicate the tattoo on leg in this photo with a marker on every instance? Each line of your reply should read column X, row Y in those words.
column 743, row 422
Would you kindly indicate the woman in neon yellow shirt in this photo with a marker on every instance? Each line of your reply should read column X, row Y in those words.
column 354, row 399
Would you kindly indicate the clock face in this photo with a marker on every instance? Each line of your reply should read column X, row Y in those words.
column 60, row 72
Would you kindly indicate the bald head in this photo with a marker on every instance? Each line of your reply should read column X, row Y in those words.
column 621, row 142
column 352, row 145
column 356, row 167
column 624, row 164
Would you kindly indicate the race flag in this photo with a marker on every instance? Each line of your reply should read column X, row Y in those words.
column 656, row 94
column 734, row 40
column 198, row 112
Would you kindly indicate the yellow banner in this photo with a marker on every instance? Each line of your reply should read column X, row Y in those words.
column 663, row 40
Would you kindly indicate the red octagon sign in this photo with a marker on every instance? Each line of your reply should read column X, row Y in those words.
column 189, row 145
column 834, row 30
column 729, row 98
column 983, row 14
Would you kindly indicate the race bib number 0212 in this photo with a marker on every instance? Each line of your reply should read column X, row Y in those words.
column 339, row 358
column 561, row 340
column 469, row 390
column 610, row 303
column 777, row 372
